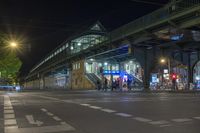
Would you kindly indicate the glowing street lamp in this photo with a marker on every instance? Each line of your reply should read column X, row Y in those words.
column 13, row 45
column 162, row 60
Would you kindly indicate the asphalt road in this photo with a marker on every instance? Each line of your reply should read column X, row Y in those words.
column 99, row 112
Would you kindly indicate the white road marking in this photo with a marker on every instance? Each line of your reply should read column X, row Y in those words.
column 95, row 107
column 198, row 118
column 51, row 98
column 63, row 123
column 123, row 114
column 8, row 111
column 167, row 125
column 56, row 118
column 85, row 104
column 108, row 110
column 10, row 122
column 50, row 114
column 141, row 119
column 45, row 129
column 9, row 116
column 182, row 120
column 44, row 110
column 161, row 122
column 32, row 121
column 10, row 127
column 15, row 101
column 8, row 107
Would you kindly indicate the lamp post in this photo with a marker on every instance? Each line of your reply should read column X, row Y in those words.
column 166, row 61
column 162, row 61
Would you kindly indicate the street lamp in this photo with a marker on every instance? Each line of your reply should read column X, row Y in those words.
column 13, row 44
column 165, row 61
column 162, row 60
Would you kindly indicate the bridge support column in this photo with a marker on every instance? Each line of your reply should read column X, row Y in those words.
column 190, row 78
column 41, row 81
column 146, row 78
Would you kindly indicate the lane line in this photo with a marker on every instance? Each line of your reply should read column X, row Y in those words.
column 63, row 123
column 141, row 119
column 44, row 110
column 167, row 125
column 94, row 107
column 198, row 118
column 56, row 118
column 181, row 120
column 85, row 104
column 123, row 114
column 161, row 122
column 108, row 110
column 50, row 114
column 45, row 129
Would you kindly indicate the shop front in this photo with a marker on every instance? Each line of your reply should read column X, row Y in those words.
column 126, row 71
column 196, row 76
column 169, row 76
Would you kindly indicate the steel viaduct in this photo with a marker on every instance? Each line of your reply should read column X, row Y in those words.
column 171, row 33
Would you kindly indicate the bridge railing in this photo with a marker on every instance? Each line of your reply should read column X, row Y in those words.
column 153, row 18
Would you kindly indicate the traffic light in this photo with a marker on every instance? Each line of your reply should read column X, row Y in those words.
column 174, row 76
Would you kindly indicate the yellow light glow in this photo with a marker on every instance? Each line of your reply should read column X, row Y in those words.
column 13, row 44
column 162, row 60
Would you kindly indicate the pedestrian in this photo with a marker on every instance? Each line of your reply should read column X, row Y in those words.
column 98, row 85
column 120, row 83
column 105, row 84
column 113, row 85
column 129, row 84
column 117, row 84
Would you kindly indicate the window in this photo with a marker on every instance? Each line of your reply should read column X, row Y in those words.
column 74, row 66
column 66, row 45
column 79, row 65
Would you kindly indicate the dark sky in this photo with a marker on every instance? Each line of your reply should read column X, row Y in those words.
column 44, row 24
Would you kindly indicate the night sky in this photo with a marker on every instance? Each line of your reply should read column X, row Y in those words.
column 44, row 24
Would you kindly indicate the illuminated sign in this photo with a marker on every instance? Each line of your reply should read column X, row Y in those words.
column 110, row 72
column 176, row 37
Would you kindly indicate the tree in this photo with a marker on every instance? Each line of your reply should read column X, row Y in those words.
column 9, row 63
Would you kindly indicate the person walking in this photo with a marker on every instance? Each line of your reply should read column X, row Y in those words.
column 114, row 85
column 98, row 85
column 129, row 84
column 105, row 84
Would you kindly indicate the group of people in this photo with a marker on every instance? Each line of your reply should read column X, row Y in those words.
column 117, row 84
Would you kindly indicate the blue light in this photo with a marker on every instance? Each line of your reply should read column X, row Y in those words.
column 176, row 37
column 105, row 71
column 113, row 72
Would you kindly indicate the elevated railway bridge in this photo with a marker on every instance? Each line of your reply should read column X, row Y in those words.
column 146, row 52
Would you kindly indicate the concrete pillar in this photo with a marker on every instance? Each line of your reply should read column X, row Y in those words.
column 181, row 56
column 42, row 82
column 190, row 78
column 146, row 78
column 111, row 78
